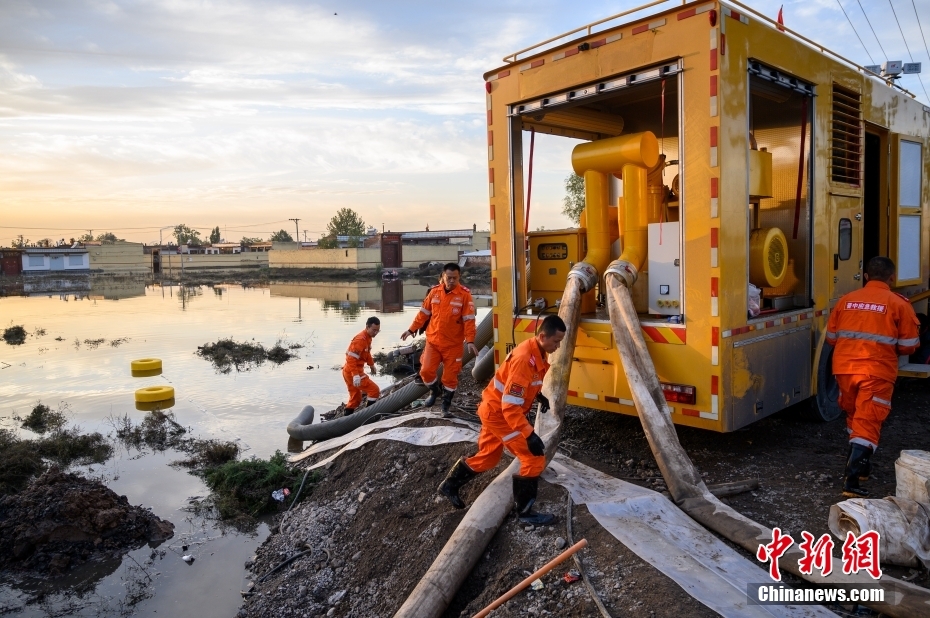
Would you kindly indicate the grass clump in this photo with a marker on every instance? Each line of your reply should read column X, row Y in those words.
column 206, row 454
column 227, row 354
column 243, row 488
column 15, row 335
column 157, row 431
column 21, row 460
column 42, row 418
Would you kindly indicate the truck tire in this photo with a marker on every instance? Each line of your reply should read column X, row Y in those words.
column 825, row 405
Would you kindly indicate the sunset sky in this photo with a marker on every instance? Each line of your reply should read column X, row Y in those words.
column 133, row 116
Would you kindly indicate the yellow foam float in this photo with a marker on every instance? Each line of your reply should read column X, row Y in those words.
column 154, row 393
column 151, row 406
column 146, row 373
column 146, row 364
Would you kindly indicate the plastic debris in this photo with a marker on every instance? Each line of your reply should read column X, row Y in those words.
column 537, row 584
column 188, row 559
column 571, row 577
column 281, row 494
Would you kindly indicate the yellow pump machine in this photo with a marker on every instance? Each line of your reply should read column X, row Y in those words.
column 741, row 174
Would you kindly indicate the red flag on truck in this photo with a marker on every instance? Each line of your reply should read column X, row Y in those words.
column 781, row 19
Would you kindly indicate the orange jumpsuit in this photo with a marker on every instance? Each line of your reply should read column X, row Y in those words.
column 869, row 329
column 451, row 318
column 357, row 356
column 505, row 403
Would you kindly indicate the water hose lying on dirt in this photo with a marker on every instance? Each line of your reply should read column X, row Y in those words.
column 461, row 552
column 684, row 482
column 302, row 429
column 484, row 367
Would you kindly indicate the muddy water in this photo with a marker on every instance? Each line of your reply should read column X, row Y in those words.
column 69, row 365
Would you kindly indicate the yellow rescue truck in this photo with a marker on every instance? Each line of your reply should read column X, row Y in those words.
column 759, row 173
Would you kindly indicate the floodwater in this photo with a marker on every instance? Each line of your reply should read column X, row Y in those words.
column 67, row 366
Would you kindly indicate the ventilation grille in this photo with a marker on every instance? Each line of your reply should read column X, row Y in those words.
column 846, row 137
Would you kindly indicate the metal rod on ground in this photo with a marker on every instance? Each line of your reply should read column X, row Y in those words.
column 684, row 483
column 529, row 580
column 465, row 547
column 577, row 560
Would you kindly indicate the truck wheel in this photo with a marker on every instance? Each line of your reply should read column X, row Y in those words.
column 825, row 406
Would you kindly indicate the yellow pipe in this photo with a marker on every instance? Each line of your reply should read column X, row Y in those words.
column 632, row 155
column 610, row 155
column 597, row 201
column 635, row 216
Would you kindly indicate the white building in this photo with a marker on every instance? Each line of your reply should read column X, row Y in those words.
column 55, row 259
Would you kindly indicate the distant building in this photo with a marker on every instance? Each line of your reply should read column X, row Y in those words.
column 55, row 259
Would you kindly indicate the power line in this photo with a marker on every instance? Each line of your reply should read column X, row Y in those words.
column 857, row 33
column 908, row 47
column 921, row 29
column 873, row 30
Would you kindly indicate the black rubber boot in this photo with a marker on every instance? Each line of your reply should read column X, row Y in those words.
column 525, row 489
column 435, row 390
column 447, row 396
column 858, row 457
column 866, row 471
column 457, row 477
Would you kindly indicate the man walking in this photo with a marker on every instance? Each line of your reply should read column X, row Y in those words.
column 504, row 405
column 869, row 329
column 353, row 372
column 449, row 311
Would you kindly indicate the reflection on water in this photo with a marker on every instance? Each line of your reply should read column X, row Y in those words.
column 251, row 407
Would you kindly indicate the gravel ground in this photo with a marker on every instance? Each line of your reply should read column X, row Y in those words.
column 374, row 523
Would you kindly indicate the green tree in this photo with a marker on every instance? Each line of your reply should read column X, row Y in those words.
column 86, row 238
column 346, row 222
column 573, row 202
column 186, row 236
column 108, row 237
column 328, row 242
column 215, row 235
column 20, row 242
column 249, row 241
column 281, row 236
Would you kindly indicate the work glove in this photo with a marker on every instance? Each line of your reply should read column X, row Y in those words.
column 356, row 380
column 536, row 445
column 543, row 403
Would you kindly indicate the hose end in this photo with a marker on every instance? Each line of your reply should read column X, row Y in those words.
column 586, row 274
column 625, row 270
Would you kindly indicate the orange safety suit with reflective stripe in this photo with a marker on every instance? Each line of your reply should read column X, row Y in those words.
column 869, row 329
column 504, row 405
column 357, row 356
column 451, row 318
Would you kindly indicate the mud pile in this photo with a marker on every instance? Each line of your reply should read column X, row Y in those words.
column 61, row 520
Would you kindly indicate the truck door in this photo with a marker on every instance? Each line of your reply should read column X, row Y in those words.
column 846, row 244
column 905, row 216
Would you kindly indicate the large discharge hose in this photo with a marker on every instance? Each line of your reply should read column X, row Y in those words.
column 461, row 552
column 302, row 429
column 683, row 480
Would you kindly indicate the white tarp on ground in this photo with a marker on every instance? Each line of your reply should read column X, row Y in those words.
column 645, row 521
column 664, row 536
column 386, row 423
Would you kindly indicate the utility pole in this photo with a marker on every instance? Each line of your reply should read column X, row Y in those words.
column 296, row 228
column 305, row 235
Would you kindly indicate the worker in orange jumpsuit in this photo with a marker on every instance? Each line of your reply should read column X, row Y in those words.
column 353, row 372
column 869, row 329
column 504, row 405
column 448, row 313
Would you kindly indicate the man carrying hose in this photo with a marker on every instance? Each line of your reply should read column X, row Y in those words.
column 504, row 405
column 448, row 313
column 869, row 329
column 353, row 372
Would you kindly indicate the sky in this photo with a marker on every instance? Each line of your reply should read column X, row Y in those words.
column 131, row 116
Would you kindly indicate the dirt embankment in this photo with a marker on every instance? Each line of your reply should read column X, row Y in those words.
column 374, row 523
column 63, row 519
